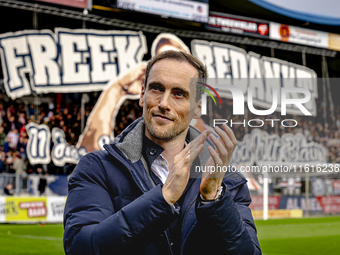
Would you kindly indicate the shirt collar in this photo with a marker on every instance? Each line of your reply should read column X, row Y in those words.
column 151, row 150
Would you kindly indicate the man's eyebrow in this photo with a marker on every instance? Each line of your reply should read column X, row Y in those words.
column 155, row 83
column 184, row 91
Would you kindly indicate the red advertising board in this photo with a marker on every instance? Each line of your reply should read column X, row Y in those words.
column 239, row 25
column 257, row 202
column 329, row 204
column 74, row 3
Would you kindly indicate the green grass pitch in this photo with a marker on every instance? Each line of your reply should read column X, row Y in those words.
column 277, row 237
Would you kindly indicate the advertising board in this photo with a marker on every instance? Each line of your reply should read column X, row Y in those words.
column 197, row 10
column 292, row 34
column 277, row 214
column 237, row 25
column 73, row 3
column 32, row 209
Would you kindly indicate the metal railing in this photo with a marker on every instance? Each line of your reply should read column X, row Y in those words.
column 20, row 183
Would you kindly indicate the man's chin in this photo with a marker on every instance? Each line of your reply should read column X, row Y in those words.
column 161, row 132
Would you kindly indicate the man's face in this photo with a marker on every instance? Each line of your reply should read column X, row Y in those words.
column 166, row 100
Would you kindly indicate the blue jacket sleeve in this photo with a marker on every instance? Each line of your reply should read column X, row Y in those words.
column 229, row 223
column 92, row 226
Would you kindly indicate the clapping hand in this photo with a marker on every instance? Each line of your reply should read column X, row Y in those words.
column 221, row 156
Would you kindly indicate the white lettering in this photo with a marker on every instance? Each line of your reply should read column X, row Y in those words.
column 103, row 69
column 44, row 52
column 75, row 70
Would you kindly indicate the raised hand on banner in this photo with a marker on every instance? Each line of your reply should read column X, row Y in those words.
column 99, row 124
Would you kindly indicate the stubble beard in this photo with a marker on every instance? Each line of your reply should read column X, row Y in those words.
column 164, row 133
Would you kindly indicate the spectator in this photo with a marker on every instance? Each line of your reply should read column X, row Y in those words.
column 2, row 162
column 8, row 145
column 19, row 165
column 2, row 136
column 8, row 190
column 42, row 181
column 9, row 162
column 11, row 123
column 14, row 134
column 21, row 120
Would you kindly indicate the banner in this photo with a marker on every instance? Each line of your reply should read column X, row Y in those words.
column 325, row 204
column 257, row 147
column 330, row 204
column 32, row 209
column 299, row 202
column 55, row 209
column 292, row 34
column 68, row 61
column 257, row 202
column 89, row 60
column 334, row 42
column 3, row 211
column 73, row 3
column 278, row 214
column 26, row 209
column 304, row 36
column 38, row 147
column 238, row 25
column 247, row 71
column 265, row 149
column 193, row 10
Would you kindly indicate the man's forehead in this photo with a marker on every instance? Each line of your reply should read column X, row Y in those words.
column 176, row 65
column 171, row 72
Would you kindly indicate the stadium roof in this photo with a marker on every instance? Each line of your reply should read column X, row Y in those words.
column 321, row 12
column 320, row 15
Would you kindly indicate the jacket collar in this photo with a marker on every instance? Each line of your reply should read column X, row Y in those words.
column 130, row 141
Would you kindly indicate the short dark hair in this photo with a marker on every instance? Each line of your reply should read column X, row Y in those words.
column 179, row 56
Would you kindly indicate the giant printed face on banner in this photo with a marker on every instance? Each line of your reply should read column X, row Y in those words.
column 166, row 99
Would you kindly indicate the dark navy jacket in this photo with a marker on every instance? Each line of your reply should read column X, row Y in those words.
column 114, row 208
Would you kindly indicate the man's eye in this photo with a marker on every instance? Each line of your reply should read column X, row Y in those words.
column 157, row 88
column 179, row 94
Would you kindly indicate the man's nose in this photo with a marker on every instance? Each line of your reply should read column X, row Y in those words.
column 164, row 103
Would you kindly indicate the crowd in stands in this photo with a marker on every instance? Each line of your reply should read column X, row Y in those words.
column 15, row 115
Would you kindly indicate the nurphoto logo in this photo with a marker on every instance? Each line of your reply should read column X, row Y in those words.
column 280, row 99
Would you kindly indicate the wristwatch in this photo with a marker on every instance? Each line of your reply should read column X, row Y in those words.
column 219, row 195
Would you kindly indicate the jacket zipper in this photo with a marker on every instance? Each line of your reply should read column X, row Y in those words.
column 140, row 186
column 185, row 214
column 132, row 171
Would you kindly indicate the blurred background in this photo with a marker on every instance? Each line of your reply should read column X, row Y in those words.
column 63, row 60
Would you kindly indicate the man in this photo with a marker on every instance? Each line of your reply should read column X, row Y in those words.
column 8, row 189
column 136, row 197
column 19, row 165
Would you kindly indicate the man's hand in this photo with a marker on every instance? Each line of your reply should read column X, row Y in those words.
column 180, row 170
column 221, row 156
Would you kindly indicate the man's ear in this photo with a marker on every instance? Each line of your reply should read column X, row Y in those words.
column 198, row 110
column 141, row 99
